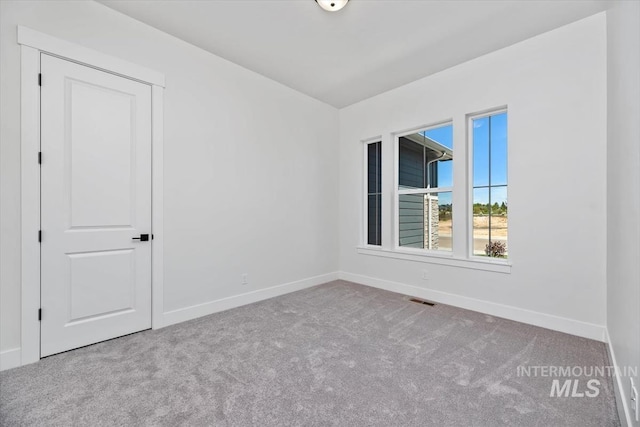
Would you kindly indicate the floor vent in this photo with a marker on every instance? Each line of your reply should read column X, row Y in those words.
column 421, row 301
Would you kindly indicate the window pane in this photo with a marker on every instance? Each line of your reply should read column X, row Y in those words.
column 499, row 149
column 441, row 223
column 498, row 224
column 439, row 143
column 379, row 167
column 490, row 186
column 425, row 158
column 499, row 200
column 481, row 151
column 372, row 161
column 443, row 135
column 374, row 196
column 411, row 227
column 444, row 177
column 481, row 212
column 373, row 167
column 425, row 221
column 490, row 220
column 374, row 222
column 411, row 168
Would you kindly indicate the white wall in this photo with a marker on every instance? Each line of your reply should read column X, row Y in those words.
column 251, row 173
column 623, row 187
column 555, row 88
column 251, row 179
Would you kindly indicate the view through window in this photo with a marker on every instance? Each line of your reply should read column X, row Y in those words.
column 490, row 207
column 374, row 193
column 425, row 168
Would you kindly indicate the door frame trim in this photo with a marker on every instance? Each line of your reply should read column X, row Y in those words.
column 32, row 44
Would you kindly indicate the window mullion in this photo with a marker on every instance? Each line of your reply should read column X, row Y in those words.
column 489, row 168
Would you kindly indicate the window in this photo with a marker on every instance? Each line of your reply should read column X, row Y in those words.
column 490, row 207
column 425, row 186
column 423, row 224
column 374, row 193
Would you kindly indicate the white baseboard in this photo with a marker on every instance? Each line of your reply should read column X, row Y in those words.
column 624, row 412
column 569, row 326
column 199, row 310
column 10, row 359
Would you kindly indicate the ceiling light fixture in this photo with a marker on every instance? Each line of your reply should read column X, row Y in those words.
column 332, row 5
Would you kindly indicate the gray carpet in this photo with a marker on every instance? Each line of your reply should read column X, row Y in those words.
column 336, row 354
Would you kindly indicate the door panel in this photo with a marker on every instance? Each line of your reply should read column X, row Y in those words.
column 101, row 283
column 96, row 196
column 93, row 203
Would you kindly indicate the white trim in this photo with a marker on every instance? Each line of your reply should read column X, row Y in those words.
column 561, row 324
column 372, row 140
column 429, row 190
column 488, row 112
column 199, row 310
column 83, row 55
column 433, row 257
column 30, row 193
column 10, row 359
column 624, row 412
column 422, row 128
column 33, row 44
column 157, row 206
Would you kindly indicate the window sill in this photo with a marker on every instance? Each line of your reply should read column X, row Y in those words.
column 497, row 266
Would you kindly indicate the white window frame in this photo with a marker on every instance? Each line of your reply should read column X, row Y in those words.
column 461, row 255
column 365, row 191
column 397, row 192
column 470, row 145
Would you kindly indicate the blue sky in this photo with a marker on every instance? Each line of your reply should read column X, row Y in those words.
column 486, row 129
column 444, row 136
column 490, row 140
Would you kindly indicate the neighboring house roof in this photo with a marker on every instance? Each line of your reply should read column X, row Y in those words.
column 438, row 151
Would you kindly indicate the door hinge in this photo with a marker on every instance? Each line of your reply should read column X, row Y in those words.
column 39, row 314
column 39, row 157
column 39, row 79
column 39, row 235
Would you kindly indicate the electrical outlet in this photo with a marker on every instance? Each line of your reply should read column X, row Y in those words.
column 425, row 275
column 634, row 398
column 244, row 279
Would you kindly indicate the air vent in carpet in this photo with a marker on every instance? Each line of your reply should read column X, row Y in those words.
column 421, row 301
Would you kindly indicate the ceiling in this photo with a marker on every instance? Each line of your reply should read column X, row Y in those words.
column 367, row 48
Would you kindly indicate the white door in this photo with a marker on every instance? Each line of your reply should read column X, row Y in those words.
column 96, row 198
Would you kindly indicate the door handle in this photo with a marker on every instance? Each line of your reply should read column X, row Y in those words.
column 142, row 238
